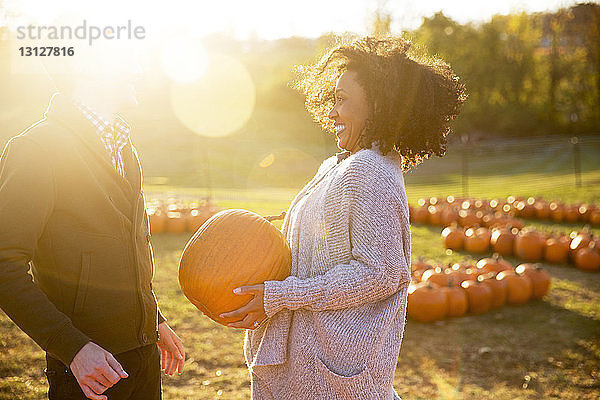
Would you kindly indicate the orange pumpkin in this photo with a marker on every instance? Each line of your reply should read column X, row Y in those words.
column 176, row 222
column 468, row 218
column 557, row 212
column 419, row 264
column 519, row 287
column 588, row 258
column 434, row 215
column 457, row 301
column 479, row 296
column 158, row 220
column 579, row 241
column 494, row 264
column 525, row 209
column 585, row 210
column 556, row 250
column 477, row 240
column 502, row 240
column 439, row 276
column 454, row 237
column 233, row 248
column 542, row 210
column 540, row 280
column 420, row 215
column 471, row 273
column 498, row 287
column 449, row 216
column 529, row 245
column 457, row 273
column 426, row 302
column 594, row 217
column 571, row 213
column 196, row 218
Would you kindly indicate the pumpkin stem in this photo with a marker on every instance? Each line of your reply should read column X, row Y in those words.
column 271, row 218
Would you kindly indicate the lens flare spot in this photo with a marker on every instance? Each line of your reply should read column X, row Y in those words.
column 267, row 161
column 218, row 104
column 184, row 60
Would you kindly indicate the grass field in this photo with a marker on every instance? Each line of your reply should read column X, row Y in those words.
column 547, row 349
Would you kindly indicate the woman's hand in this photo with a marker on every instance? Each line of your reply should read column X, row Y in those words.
column 252, row 314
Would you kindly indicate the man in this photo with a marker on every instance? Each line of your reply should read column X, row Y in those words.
column 72, row 207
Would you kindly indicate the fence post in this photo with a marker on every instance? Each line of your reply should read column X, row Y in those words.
column 576, row 160
column 465, row 165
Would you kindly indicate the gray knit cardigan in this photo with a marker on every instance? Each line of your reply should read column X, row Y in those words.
column 334, row 326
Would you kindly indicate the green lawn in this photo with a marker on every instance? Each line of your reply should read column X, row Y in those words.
column 544, row 349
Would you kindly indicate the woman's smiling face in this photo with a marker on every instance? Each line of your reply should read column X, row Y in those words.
column 350, row 112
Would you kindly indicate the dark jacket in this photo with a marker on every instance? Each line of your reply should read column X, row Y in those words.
column 83, row 228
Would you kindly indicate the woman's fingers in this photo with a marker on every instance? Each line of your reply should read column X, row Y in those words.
column 253, row 289
column 248, row 322
column 240, row 312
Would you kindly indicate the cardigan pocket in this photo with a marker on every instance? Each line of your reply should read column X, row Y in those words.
column 355, row 387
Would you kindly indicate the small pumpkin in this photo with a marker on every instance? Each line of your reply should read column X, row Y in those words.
column 419, row 264
column 540, row 280
column 499, row 288
column 158, row 220
column 479, row 296
column 519, row 287
column 176, row 222
column 453, row 237
column 434, row 215
column 469, row 218
column 542, row 209
column 556, row 249
column 457, row 273
column 571, row 213
column 557, row 212
column 426, row 302
column 529, row 245
column 493, row 264
column 503, row 239
column 420, row 215
column 457, row 300
column 449, row 216
column 439, row 276
column 588, row 258
column 585, row 210
column 579, row 240
column 477, row 240
column 594, row 217
column 196, row 218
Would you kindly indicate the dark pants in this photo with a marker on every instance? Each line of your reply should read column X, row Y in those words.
column 142, row 365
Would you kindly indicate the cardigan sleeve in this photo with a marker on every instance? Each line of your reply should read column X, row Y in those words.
column 26, row 202
column 379, row 266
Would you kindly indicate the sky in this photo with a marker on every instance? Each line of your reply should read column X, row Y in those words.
column 270, row 19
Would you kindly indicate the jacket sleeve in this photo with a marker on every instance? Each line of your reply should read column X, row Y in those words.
column 26, row 202
column 378, row 267
column 161, row 317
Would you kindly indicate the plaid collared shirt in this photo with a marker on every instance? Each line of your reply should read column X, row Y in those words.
column 114, row 135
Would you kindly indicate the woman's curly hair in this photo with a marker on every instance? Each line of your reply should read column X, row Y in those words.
column 412, row 98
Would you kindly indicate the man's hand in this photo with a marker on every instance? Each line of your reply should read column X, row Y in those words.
column 252, row 314
column 172, row 354
column 96, row 370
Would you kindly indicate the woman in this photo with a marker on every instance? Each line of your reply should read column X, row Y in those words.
column 333, row 329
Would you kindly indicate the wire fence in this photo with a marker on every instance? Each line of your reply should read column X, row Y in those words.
column 478, row 168
column 483, row 169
